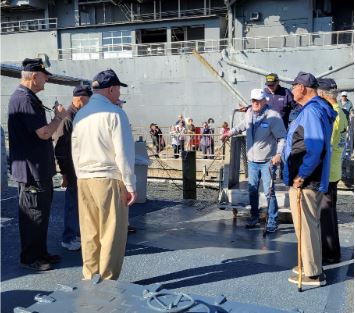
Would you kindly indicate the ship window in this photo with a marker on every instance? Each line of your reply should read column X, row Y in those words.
column 114, row 40
column 85, row 46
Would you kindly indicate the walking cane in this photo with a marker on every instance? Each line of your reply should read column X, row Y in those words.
column 299, row 193
column 268, row 199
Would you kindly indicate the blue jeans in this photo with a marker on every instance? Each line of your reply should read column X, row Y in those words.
column 256, row 172
column 71, row 216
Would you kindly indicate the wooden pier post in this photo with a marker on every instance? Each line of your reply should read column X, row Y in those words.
column 189, row 174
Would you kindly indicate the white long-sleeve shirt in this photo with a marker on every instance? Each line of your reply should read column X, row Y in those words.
column 102, row 142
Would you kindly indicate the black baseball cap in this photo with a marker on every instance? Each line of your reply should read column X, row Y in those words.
column 271, row 79
column 106, row 79
column 305, row 79
column 34, row 65
column 82, row 90
column 327, row 84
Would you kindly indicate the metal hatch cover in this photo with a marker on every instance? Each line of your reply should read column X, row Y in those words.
column 115, row 296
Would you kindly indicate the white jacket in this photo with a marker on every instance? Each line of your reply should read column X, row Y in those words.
column 102, row 142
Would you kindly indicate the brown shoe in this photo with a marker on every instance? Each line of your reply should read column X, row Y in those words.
column 309, row 280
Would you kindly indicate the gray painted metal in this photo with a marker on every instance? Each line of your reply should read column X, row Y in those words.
column 112, row 296
column 161, row 87
column 14, row 71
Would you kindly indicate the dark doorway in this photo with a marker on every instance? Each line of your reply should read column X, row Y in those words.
column 153, row 35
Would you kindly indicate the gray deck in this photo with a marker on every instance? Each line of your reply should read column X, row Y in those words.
column 193, row 247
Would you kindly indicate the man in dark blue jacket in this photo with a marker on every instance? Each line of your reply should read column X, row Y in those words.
column 307, row 166
column 71, row 233
column 278, row 98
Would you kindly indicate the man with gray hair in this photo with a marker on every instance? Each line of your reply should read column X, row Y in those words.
column 265, row 137
column 329, row 220
column 307, row 161
column 103, row 156
column 32, row 163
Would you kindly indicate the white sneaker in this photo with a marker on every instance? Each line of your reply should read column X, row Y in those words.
column 72, row 246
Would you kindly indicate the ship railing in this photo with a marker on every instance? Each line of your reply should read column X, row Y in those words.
column 214, row 149
column 29, row 25
column 141, row 50
column 204, row 46
column 181, row 13
column 295, row 40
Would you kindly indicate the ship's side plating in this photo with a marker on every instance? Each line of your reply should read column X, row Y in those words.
column 149, row 44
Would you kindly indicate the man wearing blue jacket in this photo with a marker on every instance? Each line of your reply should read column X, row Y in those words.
column 307, row 166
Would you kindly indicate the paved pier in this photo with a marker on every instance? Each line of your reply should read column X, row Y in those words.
column 190, row 246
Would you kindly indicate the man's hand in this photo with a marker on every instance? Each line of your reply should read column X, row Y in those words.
column 64, row 181
column 243, row 109
column 131, row 197
column 225, row 137
column 298, row 182
column 276, row 160
column 60, row 111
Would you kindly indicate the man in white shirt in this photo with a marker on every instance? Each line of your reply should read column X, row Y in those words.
column 103, row 156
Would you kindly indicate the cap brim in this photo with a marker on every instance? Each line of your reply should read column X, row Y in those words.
column 123, row 84
column 47, row 73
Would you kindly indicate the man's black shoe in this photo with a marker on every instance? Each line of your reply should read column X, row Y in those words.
column 131, row 230
column 52, row 258
column 39, row 265
column 252, row 222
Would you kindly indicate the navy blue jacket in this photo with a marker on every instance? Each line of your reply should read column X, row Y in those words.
column 31, row 158
column 281, row 101
column 308, row 150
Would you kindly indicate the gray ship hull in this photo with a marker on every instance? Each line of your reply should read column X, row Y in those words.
column 161, row 87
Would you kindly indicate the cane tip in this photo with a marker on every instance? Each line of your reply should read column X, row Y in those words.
column 299, row 289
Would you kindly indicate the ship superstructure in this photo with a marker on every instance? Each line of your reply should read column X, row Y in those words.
column 150, row 44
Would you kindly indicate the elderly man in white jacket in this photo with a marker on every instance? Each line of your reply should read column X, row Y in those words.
column 103, row 155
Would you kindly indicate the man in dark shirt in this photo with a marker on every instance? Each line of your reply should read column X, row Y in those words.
column 279, row 98
column 32, row 163
column 71, row 233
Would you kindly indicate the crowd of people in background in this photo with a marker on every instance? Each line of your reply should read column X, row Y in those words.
column 184, row 135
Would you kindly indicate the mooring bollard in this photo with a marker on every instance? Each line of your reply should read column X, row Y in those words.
column 189, row 174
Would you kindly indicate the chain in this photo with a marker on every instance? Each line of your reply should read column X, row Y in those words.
column 165, row 167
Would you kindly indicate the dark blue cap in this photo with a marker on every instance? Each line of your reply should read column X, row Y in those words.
column 82, row 90
column 34, row 65
column 306, row 79
column 327, row 84
column 106, row 79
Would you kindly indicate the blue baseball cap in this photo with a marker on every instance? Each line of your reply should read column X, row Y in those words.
column 305, row 79
column 106, row 79
column 327, row 84
column 34, row 65
column 82, row 90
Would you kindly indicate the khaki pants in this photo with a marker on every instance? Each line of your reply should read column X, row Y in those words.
column 103, row 215
column 311, row 243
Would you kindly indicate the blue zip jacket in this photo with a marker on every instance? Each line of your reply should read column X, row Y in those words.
column 308, row 150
